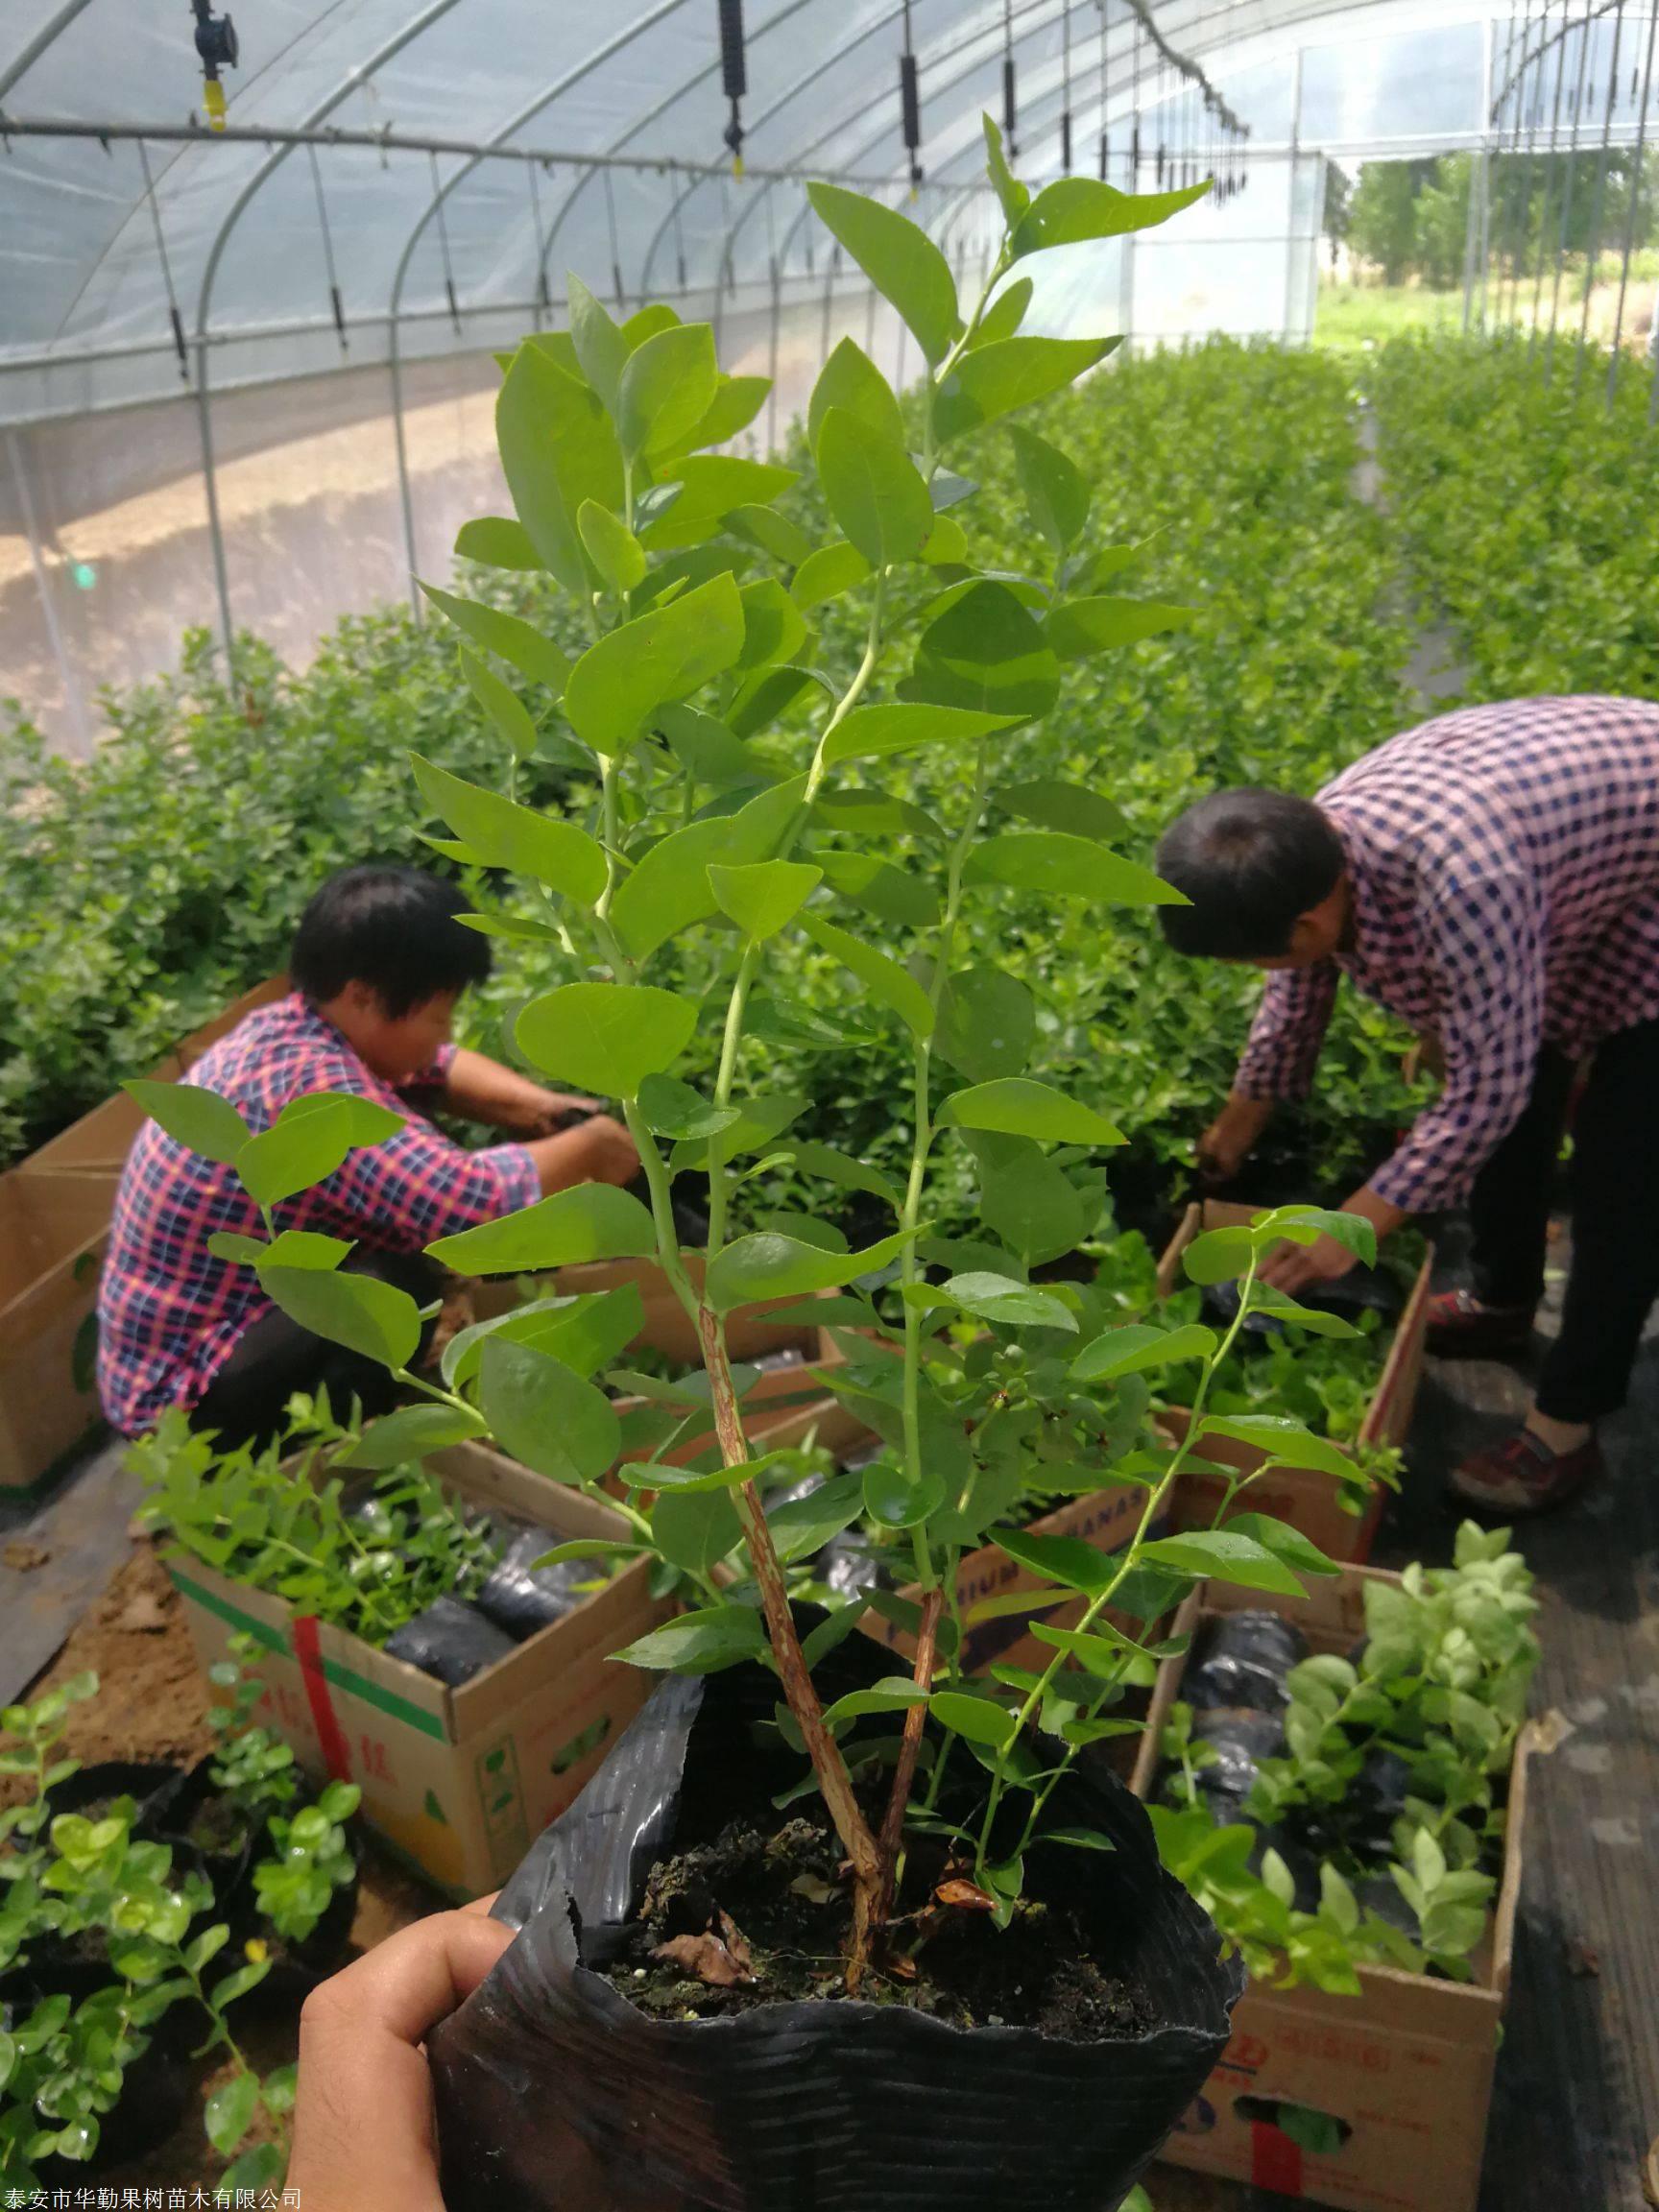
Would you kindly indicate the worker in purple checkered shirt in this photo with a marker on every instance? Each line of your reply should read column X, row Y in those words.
column 1492, row 878
column 378, row 967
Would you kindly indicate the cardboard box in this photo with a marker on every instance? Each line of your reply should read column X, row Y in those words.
column 53, row 1235
column 1405, row 2069
column 1106, row 1519
column 1305, row 1499
column 458, row 1781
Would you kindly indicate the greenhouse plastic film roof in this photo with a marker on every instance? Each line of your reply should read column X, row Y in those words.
column 442, row 231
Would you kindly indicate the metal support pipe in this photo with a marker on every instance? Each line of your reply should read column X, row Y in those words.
column 405, row 485
column 1567, row 193
column 1595, row 257
column 1544, row 204
column 1632, row 212
column 215, row 524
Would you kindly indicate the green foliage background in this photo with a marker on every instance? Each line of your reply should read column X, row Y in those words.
column 144, row 889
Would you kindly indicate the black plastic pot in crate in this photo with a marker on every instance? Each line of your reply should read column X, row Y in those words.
column 554, row 2091
column 152, row 1784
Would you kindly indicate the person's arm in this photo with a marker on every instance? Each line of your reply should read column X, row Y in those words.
column 481, row 1090
column 1485, row 941
column 597, row 1150
column 1277, row 1062
column 364, row 2138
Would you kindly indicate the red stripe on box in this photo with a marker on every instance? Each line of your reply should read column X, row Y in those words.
column 1275, row 2161
column 330, row 1736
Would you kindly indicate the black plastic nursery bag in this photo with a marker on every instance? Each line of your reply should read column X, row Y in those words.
column 553, row 2091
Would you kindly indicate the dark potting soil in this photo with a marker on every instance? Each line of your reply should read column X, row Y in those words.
column 219, row 1827
column 759, row 1918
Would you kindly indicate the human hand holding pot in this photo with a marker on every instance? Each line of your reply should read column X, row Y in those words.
column 545, row 1113
column 363, row 2130
column 596, row 1150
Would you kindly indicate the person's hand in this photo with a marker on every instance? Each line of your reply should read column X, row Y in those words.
column 547, row 1112
column 364, row 2139
column 1296, row 1267
column 1231, row 1138
column 605, row 1151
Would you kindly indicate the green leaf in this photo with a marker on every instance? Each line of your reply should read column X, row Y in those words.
column 985, row 651
column 1014, row 197
column 711, row 486
column 1064, row 1560
column 1005, row 312
column 976, row 1719
column 839, row 1167
column 198, row 1119
column 1282, row 1541
column 1073, row 209
column 544, row 1414
column 987, row 1024
column 900, row 259
column 774, row 533
column 360, row 1311
column 670, row 889
column 1066, row 867
column 802, row 1525
column 1020, row 1106
column 1055, row 489
column 1139, row 1349
column 851, row 380
column 505, row 835
column 229, row 2112
column 895, row 1499
column 764, row 895
column 674, row 1109
column 1218, row 1255
column 994, row 380
column 772, row 1266
column 827, row 574
column 695, row 1532
column 1224, row 1558
column 882, row 979
column 308, row 1142
column 1287, row 1441
column 410, row 1434
column 736, row 401
column 601, row 346
column 587, row 1332
column 592, row 1221
column 881, row 889
column 893, row 1694
column 700, row 1643
column 1015, row 1305
column 659, row 657
column 513, row 719
column 606, row 1037
column 517, row 642
column 496, row 542
column 1100, row 1653
column 1305, row 1224
column 1080, row 1838
column 1085, row 626
column 611, row 546
column 667, row 387
column 772, row 626
column 874, row 490
column 1054, row 804
column 557, row 449
column 870, row 732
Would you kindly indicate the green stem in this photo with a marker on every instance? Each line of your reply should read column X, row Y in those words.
column 736, row 1005
column 1097, row 1604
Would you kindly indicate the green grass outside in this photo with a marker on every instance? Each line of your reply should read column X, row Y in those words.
column 1350, row 316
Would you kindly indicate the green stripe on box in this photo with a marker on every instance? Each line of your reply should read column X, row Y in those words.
column 345, row 1678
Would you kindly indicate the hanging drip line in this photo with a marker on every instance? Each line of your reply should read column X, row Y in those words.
column 173, row 314
column 733, row 77
column 910, row 104
column 1601, row 202
column 544, row 297
column 1561, row 36
column 334, row 298
column 1066, row 86
column 1105, row 133
column 680, row 236
column 616, row 246
column 1567, row 187
column 1010, row 104
column 444, row 247
column 1142, row 15
column 1544, row 207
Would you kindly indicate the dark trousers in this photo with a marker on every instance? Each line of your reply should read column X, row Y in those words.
column 247, row 1401
column 1614, row 1191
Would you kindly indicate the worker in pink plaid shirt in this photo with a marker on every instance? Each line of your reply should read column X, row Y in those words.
column 1492, row 878
column 379, row 966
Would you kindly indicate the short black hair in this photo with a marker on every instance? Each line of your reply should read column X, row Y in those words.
column 1250, row 861
column 392, row 928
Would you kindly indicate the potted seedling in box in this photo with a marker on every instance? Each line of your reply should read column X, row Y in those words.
column 826, row 1925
